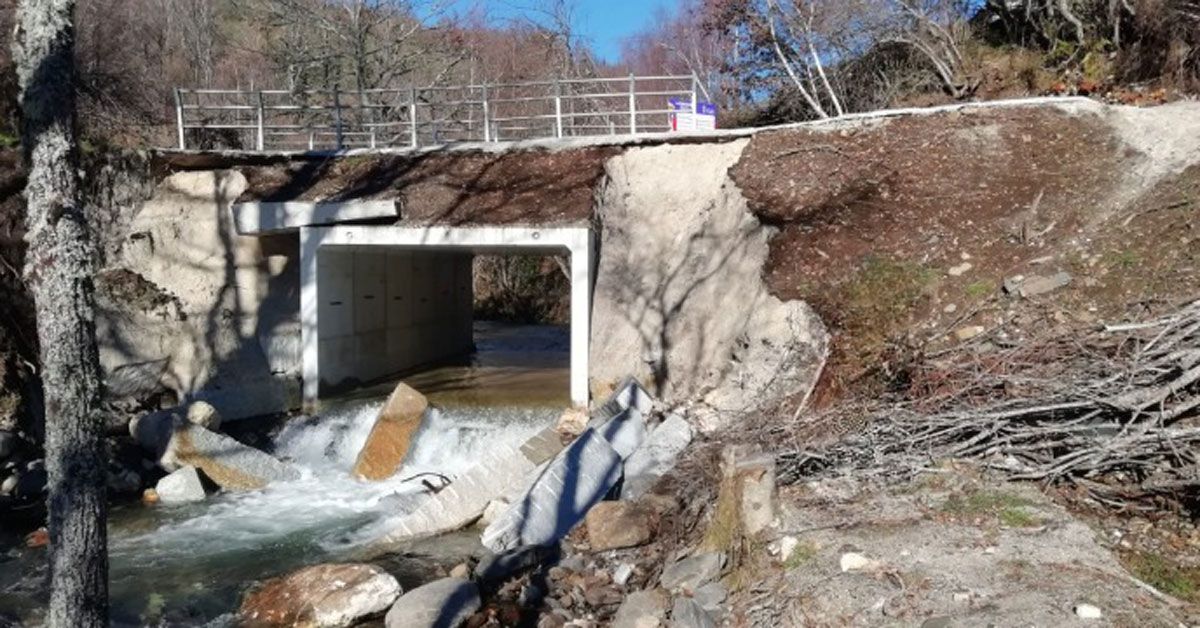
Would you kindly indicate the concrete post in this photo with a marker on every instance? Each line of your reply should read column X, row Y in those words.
column 581, row 316
column 310, row 364
column 695, row 103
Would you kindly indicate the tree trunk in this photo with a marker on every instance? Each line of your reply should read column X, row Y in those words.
column 59, row 270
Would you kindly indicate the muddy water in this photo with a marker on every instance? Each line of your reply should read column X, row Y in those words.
column 187, row 565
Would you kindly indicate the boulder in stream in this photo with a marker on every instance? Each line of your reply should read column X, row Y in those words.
column 181, row 485
column 392, row 435
column 320, row 596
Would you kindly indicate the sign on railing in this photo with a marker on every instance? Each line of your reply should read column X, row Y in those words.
column 333, row 119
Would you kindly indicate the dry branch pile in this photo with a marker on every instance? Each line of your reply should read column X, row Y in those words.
column 1113, row 410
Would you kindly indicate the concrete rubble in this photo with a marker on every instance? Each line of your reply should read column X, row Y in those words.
column 392, row 434
column 181, row 485
column 175, row 443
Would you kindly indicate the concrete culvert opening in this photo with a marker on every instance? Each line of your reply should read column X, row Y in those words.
column 427, row 304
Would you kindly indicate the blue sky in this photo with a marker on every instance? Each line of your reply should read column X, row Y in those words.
column 603, row 23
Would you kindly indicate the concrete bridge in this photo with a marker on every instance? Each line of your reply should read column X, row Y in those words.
column 259, row 281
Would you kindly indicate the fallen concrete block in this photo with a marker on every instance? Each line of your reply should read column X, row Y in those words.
column 181, row 485
column 176, row 443
column 630, row 394
column 501, row 470
column 578, row 477
column 625, row 432
column 392, row 435
column 656, row 456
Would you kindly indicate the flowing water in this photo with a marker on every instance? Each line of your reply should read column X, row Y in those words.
column 188, row 564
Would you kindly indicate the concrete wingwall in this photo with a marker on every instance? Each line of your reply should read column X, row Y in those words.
column 678, row 298
column 680, row 301
column 192, row 310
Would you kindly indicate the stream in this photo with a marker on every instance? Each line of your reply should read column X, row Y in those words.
column 188, row 564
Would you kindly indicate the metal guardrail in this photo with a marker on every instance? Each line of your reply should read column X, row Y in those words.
column 323, row 119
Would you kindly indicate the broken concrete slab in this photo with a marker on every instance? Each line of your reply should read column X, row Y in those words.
column 501, row 470
column 656, row 456
column 392, row 435
column 180, row 486
column 625, row 432
column 176, row 443
column 578, row 477
column 630, row 394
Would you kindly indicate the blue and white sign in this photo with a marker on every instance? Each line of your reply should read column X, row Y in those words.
column 683, row 120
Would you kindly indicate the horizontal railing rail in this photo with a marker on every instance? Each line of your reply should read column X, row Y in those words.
column 273, row 119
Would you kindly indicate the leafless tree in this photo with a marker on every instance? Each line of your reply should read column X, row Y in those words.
column 59, row 268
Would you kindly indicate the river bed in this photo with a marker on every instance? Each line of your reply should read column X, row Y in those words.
column 188, row 564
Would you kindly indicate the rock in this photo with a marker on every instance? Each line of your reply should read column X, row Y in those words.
column 202, row 413
column 321, row 595
column 579, row 476
column 227, row 462
column 8, row 444
column 622, row 574
column 8, row 485
column 963, row 334
column 754, row 476
column 149, row 496
column 445, row 603
column 38, row 538
column 460, row 570
column 498, row 567
column 392, row 435
column 959, row 270
column 687, row 613
column 711, row 596
column 625, row 432
column 31, row 483
column 853, row 561
column 1088, row 611
column 642, row 609
column 614, row 525
column 785, row 546
column 693, row 572
column 601, row 596
column 181, row 485
column 572, row 422
column 1036, row 285
column 656, row 456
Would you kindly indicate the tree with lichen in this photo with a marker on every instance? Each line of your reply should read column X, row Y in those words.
column 58, row 270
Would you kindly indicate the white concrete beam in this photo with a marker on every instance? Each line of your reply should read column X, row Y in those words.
column 260, row 218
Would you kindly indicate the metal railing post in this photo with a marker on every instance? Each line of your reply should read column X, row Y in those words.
column 365, row 106
column 558, row 117
column 337, row 117
column 632, row 105
column 695, row 101
column 179, row 118
column 412, row 116
column 261, row 140
column 487, row 119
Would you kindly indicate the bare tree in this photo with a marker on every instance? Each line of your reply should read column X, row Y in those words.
column 59, row 270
